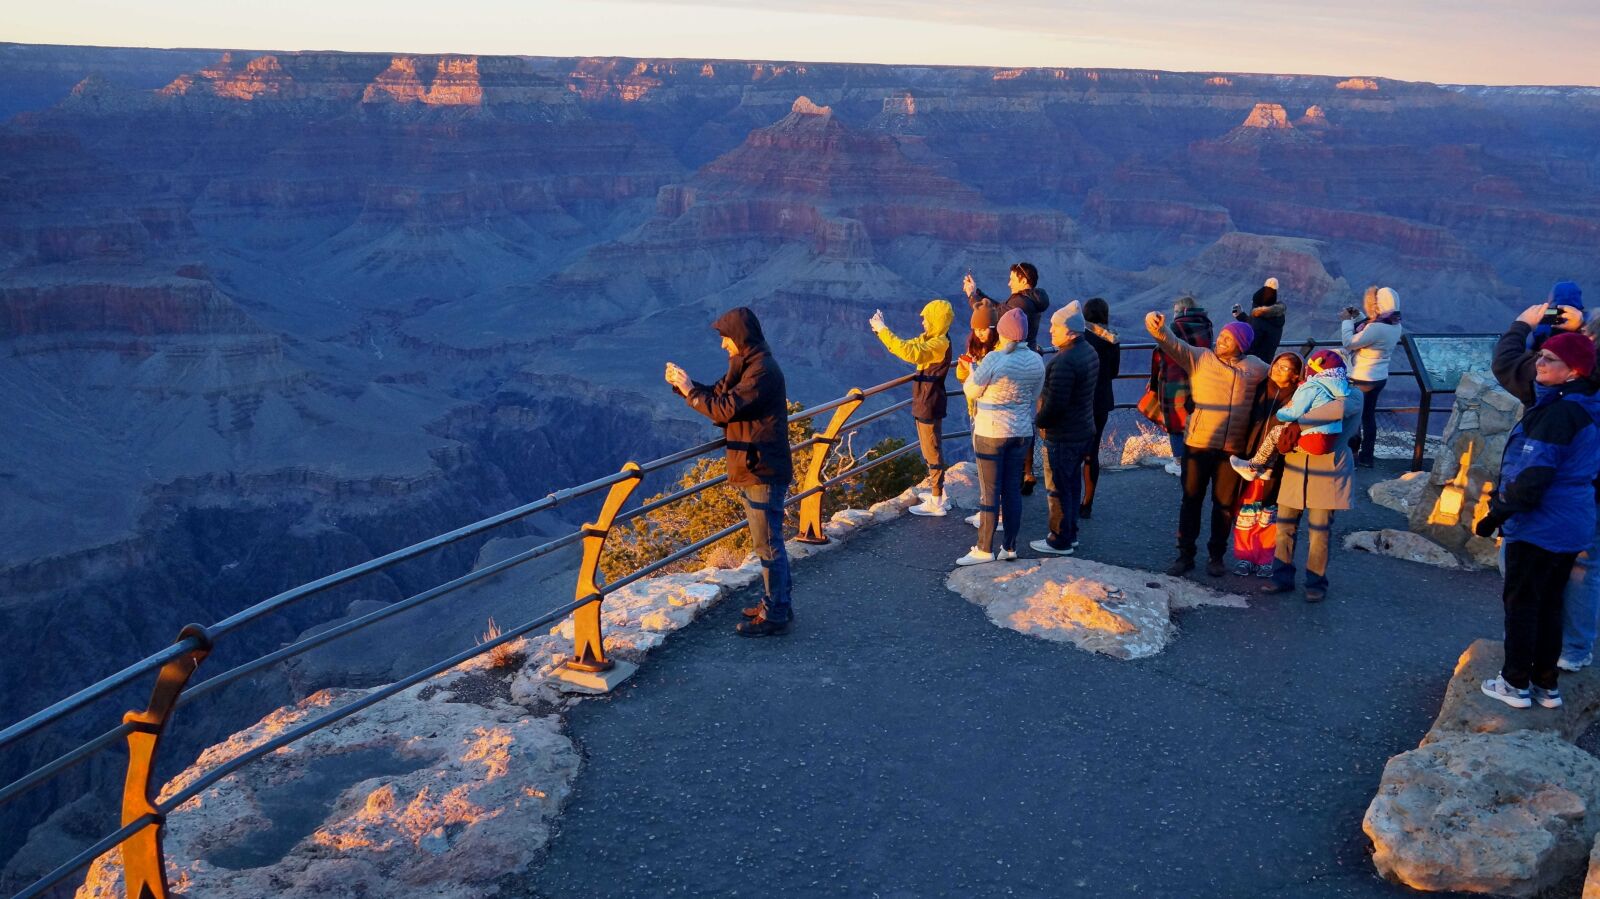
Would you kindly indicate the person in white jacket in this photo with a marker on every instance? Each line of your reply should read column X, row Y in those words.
column 1368, row 345
column 1004, row 390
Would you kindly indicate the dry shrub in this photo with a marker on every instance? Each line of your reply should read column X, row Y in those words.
column 502, row 656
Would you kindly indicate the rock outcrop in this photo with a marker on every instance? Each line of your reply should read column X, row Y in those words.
column 1119, row 612
column 1467, row 711
column 1507, row 815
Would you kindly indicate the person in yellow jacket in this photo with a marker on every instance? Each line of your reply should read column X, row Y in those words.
column 930, row 353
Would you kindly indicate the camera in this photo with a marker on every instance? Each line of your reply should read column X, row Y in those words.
column 1553, row 316
column 1353, row 312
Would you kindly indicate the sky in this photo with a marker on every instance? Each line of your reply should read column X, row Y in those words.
column 1465, row 41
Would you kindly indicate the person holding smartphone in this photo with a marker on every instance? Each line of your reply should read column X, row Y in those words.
column 930, row 353
column 1369, row 343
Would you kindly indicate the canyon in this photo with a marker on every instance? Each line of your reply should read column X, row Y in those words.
column 264, row 315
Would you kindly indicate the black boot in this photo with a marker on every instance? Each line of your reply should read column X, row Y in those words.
column 762, row 626
column 1182, row 566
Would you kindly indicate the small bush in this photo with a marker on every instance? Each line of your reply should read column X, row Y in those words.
column 653, row 537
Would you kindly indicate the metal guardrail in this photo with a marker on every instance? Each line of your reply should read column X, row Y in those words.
column 143, row 817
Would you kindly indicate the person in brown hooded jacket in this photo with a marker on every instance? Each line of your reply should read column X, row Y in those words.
column 750, row 403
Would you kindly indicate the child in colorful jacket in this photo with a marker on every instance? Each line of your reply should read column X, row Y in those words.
column 1324, row 382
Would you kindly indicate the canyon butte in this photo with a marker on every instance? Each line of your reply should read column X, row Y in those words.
column 264, row 315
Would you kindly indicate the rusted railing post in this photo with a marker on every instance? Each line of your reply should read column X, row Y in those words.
column 144, row 868
column 811, row 506
column 588, row 650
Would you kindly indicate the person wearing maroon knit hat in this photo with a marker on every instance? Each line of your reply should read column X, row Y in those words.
column 1543, row 506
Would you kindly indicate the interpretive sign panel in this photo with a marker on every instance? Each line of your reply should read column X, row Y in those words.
column 1442, row 358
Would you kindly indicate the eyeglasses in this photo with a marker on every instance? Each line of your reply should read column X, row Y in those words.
column 1548, row 359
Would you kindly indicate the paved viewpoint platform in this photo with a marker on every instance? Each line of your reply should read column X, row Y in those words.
column 898, row 744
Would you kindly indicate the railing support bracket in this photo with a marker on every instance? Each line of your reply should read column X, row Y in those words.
column 143, row 864
column 811, row 506
column 588, row 644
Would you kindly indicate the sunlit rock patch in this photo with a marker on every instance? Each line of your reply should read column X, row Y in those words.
column 1119, row 612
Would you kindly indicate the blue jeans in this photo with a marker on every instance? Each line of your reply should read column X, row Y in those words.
column 1062, row 481
column 999, row 488
column 1179, row 449
column 1581, row 619
column 763, row 506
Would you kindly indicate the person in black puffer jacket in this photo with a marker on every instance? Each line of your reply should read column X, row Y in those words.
column 1104, row 342
column 1066, row 420
column 751, row 405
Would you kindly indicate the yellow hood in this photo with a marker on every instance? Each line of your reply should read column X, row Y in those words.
column 939, row 316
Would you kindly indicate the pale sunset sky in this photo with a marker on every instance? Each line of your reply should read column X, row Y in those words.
column 1466, row 41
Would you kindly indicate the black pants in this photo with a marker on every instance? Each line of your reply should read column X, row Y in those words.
column 1091, row 459
column 1536, row 580
column 1203, row 468
column 1368, row 441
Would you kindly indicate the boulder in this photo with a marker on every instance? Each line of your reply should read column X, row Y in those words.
column 1467, row 711
column 961, row 485
column 1399, row 494
column 1402, row 545
column 466, row 798
column 1119, row 612
column 1510, row 815
column 1591, row 883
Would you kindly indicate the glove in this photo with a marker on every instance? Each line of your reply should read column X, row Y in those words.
column 1487, row 525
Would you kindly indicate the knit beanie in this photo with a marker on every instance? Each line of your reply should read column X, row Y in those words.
column 1324, row 360
column 1014, row 325
column 1243, row 334
column 1574, row 349
column 983, row 316
column 1566, row 293
column 1070, row 317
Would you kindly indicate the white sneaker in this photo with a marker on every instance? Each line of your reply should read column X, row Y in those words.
column 976, row 556
column 929, row 508
column 1566, row 664
column 1244, row 467
column 1550, row 699
column 1511, row 696
column 975, row 519
column 1043, row 546
column 1174, row 467
column 1006, row 555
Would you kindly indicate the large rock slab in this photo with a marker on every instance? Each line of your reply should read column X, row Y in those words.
column 1119, row 612
column 1467, row 711
column 468, row 797
column 1402, row 545
column 1510, row 815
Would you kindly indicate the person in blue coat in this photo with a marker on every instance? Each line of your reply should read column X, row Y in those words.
column 1544, row 508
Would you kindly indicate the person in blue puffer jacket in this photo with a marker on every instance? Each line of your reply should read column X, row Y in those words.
column 1544, row 509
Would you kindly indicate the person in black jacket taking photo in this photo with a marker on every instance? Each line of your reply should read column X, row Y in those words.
column 1066, row 421
column 751, row 405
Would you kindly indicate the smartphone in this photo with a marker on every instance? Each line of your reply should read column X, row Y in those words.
column 1553, row 316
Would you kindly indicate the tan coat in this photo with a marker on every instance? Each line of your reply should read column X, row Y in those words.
column 1323, row 482
column 1223, row 394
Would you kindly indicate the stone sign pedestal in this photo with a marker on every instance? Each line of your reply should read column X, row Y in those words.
column 1455, row 495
